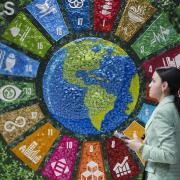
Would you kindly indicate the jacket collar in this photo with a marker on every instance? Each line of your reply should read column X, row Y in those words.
column 167, row 99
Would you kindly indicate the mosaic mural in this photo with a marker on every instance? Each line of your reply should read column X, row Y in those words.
column 71, row 73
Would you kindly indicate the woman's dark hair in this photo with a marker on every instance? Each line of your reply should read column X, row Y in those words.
column 172, row 76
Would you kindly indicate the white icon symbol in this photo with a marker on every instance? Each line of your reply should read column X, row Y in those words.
column 80, row 21
column 142, row 49
column 123, row 168
column 11, row 126
column 10, row 62
column 2, row 55
column 161, row 35
column 40, row 45
column 26, row 32
column 105, row 12
column 27, row 91
column 104, row 22
column 125, row 30
column 76, row 3
column 91, row 148
column 45, row 9
column 106, row 8
column 150, row 69
column 113, row 144
column 28, row 68
column 136, row 14
column 34, row 115
column 59, row 31
column 147, row 112
column 60, row 167
column 15, row 31
column 92, row 172
column 167, row 61
column 50, row 132
column 9, row 93
column 177, row 60
column 30, row 152
column 69, row 145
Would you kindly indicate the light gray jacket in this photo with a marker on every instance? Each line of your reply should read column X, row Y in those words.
column 162, row 142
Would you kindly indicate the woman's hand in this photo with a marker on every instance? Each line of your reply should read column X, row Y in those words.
column 134, row 143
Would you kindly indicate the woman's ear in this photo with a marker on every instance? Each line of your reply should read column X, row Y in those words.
column 165, row 87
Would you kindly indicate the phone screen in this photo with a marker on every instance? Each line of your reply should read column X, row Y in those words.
column 120, row 135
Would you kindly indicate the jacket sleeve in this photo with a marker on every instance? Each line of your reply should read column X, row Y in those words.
column 165, row 150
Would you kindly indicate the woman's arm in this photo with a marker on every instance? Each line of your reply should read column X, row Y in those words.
column 165, row 151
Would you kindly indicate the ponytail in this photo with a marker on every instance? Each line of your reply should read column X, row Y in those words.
column 177, row 102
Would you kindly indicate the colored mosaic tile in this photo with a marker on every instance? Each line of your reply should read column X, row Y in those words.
column 91, row 164
column 170, row 57
column 15, row 123
column 136, row 13
column 135, row 126
column 61, row 163
column 121, row 163
column 145, row 112
column 15, row 63
column 78, row 13
column 15, row 92
column 48, row 14
column 105, row 13
column 160, row 34
column 33, row 149
column 24, row 34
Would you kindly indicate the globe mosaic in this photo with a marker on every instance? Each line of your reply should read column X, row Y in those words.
column 90, row 86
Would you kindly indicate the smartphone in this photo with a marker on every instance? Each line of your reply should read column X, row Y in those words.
column 120, row 135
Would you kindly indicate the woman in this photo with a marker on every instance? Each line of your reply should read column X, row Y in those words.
column 161, row 147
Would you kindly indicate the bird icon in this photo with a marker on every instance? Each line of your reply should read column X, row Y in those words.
column 43, row 7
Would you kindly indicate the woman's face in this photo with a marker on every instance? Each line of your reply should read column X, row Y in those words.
column 155, row 86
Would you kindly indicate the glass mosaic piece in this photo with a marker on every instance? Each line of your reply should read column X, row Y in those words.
column 48, row 14
column 145, row 112
column 24, row 34
column 80, row 86
column 15, row 123
column 78, row 12
column 136, row 13
column 15, row 92
column 121, row 163
column 61, row 163
column 160, row 34
column 15, row 63
column 105, row 13
column 167, row 58
column 91, row 164
column 33, row 149
column 135, row 126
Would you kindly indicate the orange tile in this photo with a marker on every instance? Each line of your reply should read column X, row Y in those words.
column 135, row 126
column 34, row 148
column 91, row 164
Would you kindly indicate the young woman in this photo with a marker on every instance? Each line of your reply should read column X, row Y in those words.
column 161, row 147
